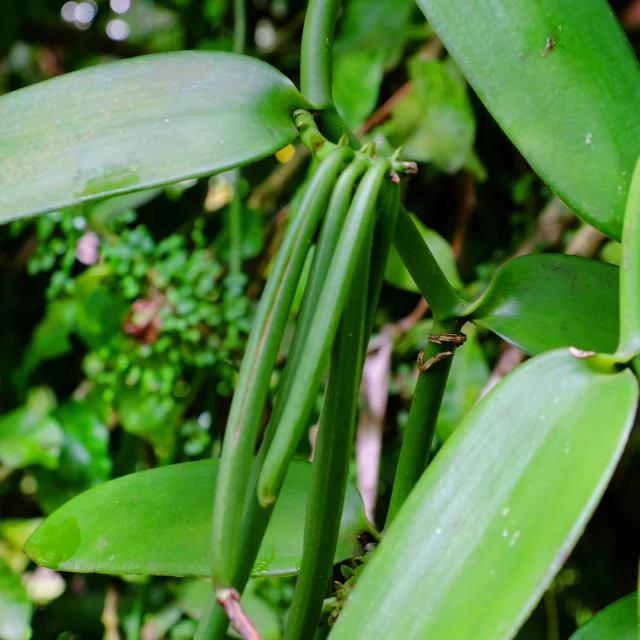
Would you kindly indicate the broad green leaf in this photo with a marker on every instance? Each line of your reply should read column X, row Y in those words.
column 84, row 456
column 497, row 512
column 15, row 608
column 435, row 121
column 529, row 61
column 397, row 274
column 158, row 522
column 103, row 212
column 29, row 435
column 130, row 125
column 619, row 621
column 542, row 302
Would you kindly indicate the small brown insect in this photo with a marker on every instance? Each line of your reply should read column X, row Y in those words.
column 424, row 366
column 549, row 46
column 457, row 339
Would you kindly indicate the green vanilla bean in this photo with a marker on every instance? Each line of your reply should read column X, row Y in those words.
column 329, row 236
column 257, row 365
column 316, row 52
column 382, row 240
column 235, row 225
column 256, row 517
column 331, row 460
column 421, row 424
column 323, row 330
column 424, row 269
column 629, row 345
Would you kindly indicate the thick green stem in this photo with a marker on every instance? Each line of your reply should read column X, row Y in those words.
column 629, row 345
column 257, row 365
column 424, row 269
column 315, row 57
column 235, row 225
column 382, row 239
column 323, row 330
column 421, row 425
column 331, row 460
column 330, row 122
column 239, row 25
column 235, row 211
column 329, row 235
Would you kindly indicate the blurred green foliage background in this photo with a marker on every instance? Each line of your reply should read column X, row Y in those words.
column 123, row 324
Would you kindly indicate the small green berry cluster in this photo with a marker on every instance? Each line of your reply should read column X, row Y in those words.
column 184, row 313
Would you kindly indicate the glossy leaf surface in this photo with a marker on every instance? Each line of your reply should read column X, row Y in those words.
column 528, row 61
column 618, row 621
column 487, row 528
column 158, row 522
column 134, row 124
column 543, row 302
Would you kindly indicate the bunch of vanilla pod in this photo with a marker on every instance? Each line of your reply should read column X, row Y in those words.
column 353, row 199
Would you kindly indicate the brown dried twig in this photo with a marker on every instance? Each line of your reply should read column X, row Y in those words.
column 230, row 601
column 109, row 616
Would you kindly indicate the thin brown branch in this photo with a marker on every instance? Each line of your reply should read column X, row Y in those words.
column 467, row 208
column 404, row 324
column 630, row 17
column 552, row 222
column 431, row 51
column 230, row 601
column 375, row 386
column 586, row 242
column 509, row 359
column 110, row 614
column 384, row 111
